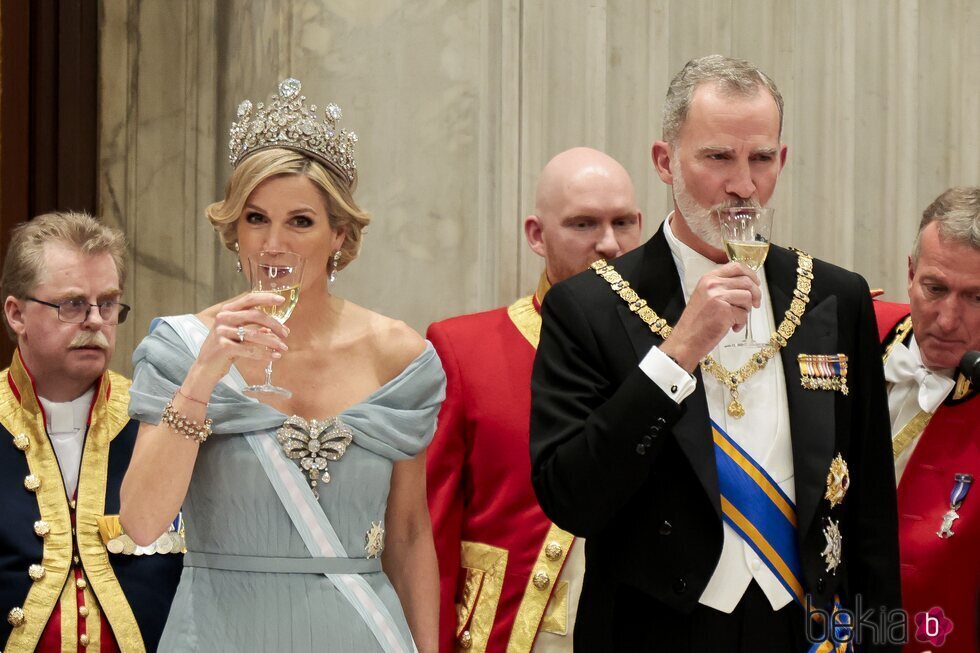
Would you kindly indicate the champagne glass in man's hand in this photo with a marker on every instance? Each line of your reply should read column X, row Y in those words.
column 745, row 231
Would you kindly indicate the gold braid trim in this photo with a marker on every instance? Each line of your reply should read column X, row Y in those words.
column 910, row 432
column 484, row 567
column 527, row 319
column 757, row 361
column 901, row 331
column 70, row 616
column 93, row 622
column 550, row 560
column 109, row 416
column 25, row 422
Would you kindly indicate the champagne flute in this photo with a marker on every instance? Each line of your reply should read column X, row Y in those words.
column 745, row 231
column 280, row 273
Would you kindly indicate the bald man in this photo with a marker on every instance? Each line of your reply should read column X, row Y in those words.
column 510, row 579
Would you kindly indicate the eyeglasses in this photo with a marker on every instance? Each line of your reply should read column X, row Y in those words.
column 75, row 311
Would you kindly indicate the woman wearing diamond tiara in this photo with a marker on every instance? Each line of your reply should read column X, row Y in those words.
column 285, row 550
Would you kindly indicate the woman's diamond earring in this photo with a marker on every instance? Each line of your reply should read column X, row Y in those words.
column 238, row 261
column 333, row 270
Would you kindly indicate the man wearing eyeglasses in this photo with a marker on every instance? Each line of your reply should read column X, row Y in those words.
column 69, row 578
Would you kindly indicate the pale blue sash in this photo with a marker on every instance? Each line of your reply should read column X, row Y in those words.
column 306, row 514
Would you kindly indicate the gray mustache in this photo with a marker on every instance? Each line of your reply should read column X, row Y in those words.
column 89, row 339
column 738, row 204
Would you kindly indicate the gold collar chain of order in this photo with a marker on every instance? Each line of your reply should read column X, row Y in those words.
column 758, row 360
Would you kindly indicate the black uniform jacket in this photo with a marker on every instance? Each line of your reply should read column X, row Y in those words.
column 614, row 459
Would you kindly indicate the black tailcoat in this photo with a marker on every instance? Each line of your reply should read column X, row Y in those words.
column 617, row 461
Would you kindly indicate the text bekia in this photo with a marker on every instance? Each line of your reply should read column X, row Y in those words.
column 858, row 625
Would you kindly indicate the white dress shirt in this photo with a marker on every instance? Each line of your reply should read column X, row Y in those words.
column 763, row 431
column 906, row 397
column 66, row 422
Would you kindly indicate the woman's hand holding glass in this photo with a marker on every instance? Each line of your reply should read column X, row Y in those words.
column 279, row 274
column 263, row 338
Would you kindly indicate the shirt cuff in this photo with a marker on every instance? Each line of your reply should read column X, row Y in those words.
column 670, row 377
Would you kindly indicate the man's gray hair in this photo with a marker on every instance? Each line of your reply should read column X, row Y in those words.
column 735, row 77
column 957, row 212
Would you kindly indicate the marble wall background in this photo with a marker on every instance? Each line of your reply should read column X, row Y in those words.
column 459, row 103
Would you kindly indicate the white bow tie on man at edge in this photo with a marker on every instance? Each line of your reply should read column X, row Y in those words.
column 904, row 366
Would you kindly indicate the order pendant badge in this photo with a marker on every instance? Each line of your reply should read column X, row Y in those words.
column 961, row 488
column 838, row 480
column 946, row 529
column 736, row 409
column 832, row 552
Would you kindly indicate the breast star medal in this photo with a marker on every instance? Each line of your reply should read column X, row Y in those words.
column 312, row 444
column 832, row 552
column 374, row 540
column 838, row 480
column 961, row 486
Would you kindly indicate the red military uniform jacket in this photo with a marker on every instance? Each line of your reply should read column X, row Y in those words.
column 499, row 556
column 937, row 571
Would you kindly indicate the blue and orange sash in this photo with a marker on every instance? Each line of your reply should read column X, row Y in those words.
column 758, row 510
column 765, row 518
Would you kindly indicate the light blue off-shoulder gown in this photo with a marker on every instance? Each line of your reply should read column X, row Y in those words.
column 255, row 584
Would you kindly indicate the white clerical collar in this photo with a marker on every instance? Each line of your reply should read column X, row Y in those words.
column 67, row 416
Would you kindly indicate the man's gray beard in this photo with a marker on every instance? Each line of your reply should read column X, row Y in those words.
column 702, row 221
column 699, row 220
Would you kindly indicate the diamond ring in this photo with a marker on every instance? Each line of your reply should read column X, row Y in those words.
column 241, row 334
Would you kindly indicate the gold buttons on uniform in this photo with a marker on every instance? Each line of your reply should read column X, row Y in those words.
column 541, row 580
column 83, row 639
column 80, row 583
column 36, row 572
column 465, row 639
column 16, row 617
column 22, row 442
column 83, row 610
column 552, row 551
column 42, row 528
column 32, row 482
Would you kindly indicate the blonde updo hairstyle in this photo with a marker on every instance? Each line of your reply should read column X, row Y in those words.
column 344, row 213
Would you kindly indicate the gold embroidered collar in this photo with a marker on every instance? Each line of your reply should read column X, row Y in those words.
column 757, row 361
column 525, row 313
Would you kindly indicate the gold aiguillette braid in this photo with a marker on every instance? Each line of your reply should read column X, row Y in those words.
column 756, row 362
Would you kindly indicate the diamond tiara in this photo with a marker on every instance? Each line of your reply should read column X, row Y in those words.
column 288, row 123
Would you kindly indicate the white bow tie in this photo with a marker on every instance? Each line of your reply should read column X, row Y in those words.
column 902, row 367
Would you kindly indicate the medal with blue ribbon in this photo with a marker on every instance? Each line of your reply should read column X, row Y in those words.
column 961, row 487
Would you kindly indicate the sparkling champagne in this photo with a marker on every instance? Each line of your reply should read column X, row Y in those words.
column 281, row 312
column 752, row 254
